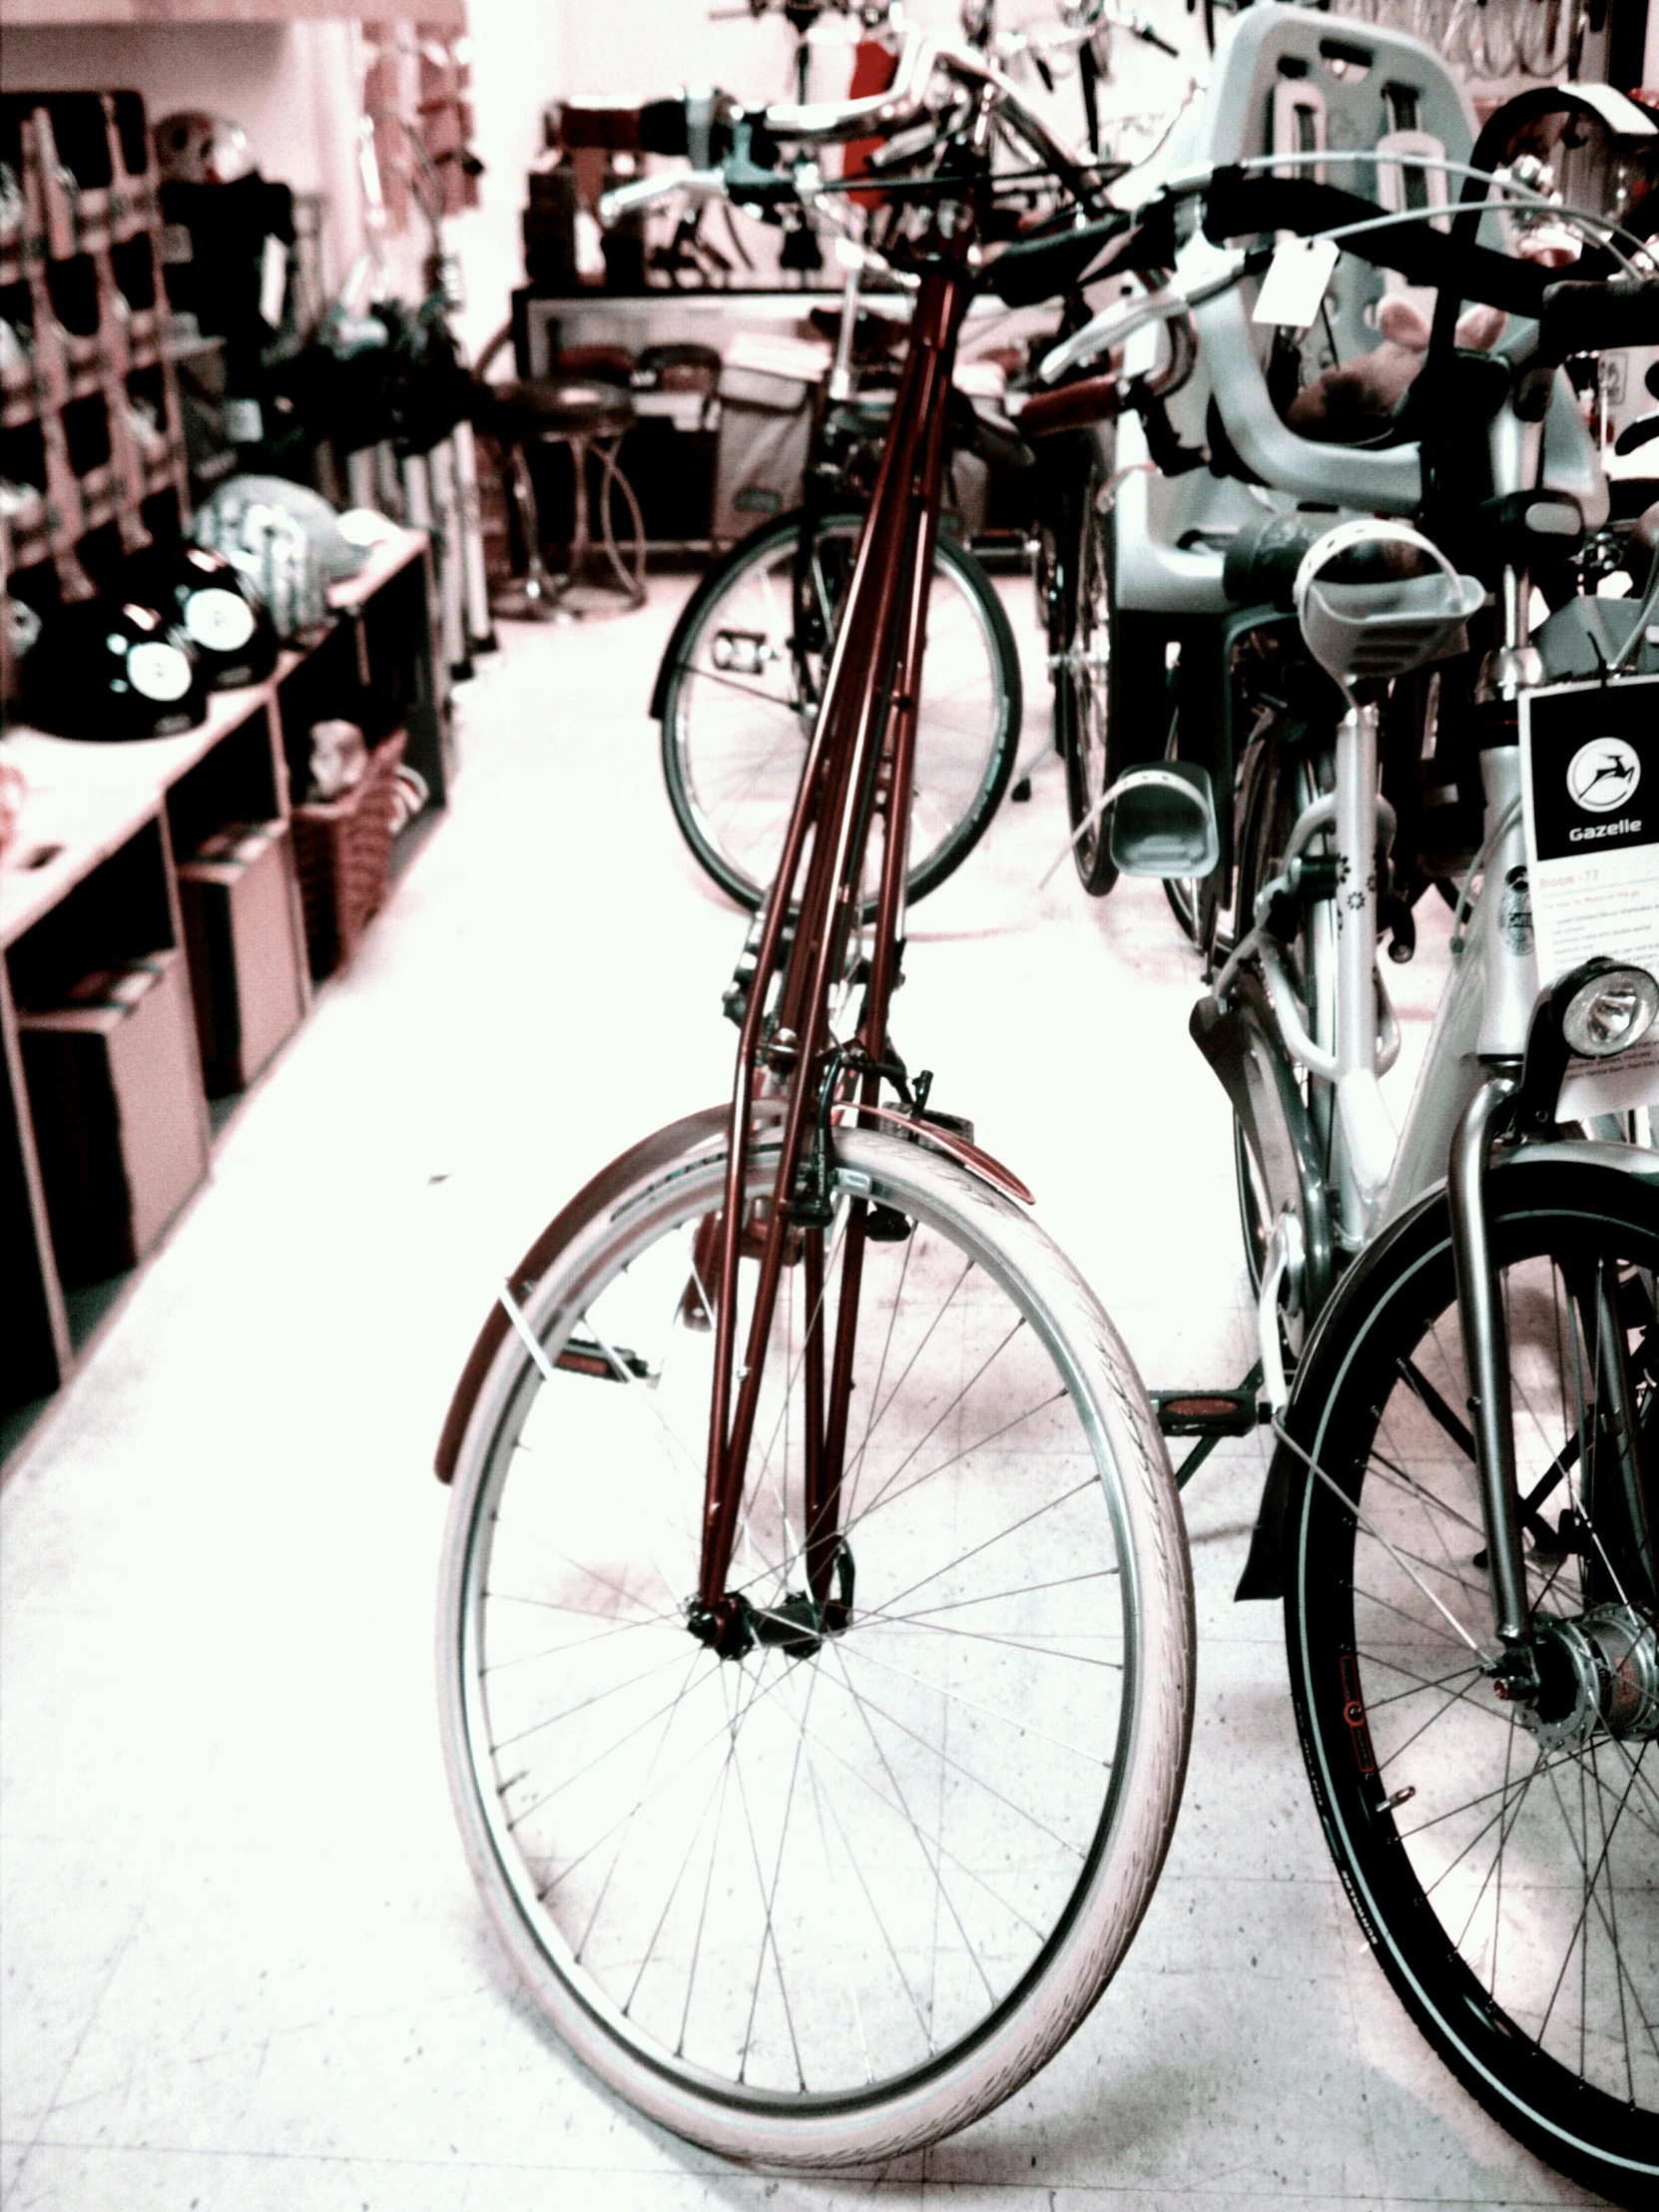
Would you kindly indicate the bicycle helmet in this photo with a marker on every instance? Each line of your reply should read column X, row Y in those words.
column 108, row 671
column 219, row 520
column 218, row 610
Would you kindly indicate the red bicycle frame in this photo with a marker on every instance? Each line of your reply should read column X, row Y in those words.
column 860, row 762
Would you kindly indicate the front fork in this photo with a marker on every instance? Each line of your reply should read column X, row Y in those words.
column 1485, row 1336
column 859, row 759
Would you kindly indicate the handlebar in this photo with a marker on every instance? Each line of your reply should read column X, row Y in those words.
column 1592, row 318
column 695, row 184
column 875, row 115
column 880, row 115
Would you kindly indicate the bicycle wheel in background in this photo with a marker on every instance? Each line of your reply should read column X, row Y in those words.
column 1503, row 1860
column 741, row 687
column 828, row 1901
column 1108, row 674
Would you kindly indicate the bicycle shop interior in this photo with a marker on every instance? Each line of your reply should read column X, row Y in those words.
column 436, row 449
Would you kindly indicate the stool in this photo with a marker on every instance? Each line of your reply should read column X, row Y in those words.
column 592, row 418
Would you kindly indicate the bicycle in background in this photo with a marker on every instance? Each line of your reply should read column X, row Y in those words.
column 1456, row 1324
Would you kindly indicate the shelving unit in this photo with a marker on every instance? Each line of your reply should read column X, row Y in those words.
column 91, row 880
column 91, row 419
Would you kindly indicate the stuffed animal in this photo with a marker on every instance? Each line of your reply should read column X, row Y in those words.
column 1359, row 399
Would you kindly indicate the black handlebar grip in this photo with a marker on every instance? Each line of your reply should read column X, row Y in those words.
column 1579, row 318
column 1037, row 268
column 1262, row 562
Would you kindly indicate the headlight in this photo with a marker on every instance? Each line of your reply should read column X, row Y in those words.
column 1610, row 1013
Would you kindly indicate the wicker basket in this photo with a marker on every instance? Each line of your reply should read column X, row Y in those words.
column 341, row 848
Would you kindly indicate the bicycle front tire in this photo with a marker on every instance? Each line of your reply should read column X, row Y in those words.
column 814, row 1907
column 1504, row 1871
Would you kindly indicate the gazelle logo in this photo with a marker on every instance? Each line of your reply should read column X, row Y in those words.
column 1602, row 776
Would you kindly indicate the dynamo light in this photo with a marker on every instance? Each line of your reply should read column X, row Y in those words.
column 1610, row 1012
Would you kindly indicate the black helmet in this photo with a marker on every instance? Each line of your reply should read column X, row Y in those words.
column 200, row 592
column 109, row 670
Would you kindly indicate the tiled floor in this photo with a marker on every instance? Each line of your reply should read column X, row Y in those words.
column 244, row 1966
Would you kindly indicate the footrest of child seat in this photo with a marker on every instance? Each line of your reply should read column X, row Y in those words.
column 1164, row 821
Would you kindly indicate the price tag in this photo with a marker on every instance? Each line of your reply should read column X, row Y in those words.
column 1590, row 797
column 1294, row 283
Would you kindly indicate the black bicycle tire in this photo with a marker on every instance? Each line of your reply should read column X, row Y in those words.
column 776, row 534
column 1195, row 920
column 1083, row 534
column 1534, row 1208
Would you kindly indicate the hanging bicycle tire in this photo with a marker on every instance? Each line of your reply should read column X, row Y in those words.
column 824, row 1899
column 738, row 694
column 1502, row 1859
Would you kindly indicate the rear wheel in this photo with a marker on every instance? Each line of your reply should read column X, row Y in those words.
column 743, row 682
column 829, row 1899
column 1504, row 1859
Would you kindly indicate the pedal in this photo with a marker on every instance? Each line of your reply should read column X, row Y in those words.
column 886, row 1225
column 583, row 1357
column 1206, row 1412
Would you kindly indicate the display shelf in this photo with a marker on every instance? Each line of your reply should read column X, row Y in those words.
column 84, row 248
column 63, row 834
column 90, row 879
column 86, row 887
column 147, row 764
column 386, row 560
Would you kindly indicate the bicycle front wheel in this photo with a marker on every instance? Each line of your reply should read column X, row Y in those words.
column 826, row 1901
column 1504, row 1859
column 744, row 677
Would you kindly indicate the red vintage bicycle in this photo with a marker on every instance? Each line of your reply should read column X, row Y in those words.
column 815, row 1641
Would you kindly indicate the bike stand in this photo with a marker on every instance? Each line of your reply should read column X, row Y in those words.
column 1209, row 1416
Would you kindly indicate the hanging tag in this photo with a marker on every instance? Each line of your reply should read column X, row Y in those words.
column 1294, row 283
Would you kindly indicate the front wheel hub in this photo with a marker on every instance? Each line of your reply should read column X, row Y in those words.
column 1600, row 1671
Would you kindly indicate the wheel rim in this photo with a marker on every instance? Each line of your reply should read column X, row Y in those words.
column 1088, row 670
column 941, row 1794
column 746, row 699
column 1510, row 1871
